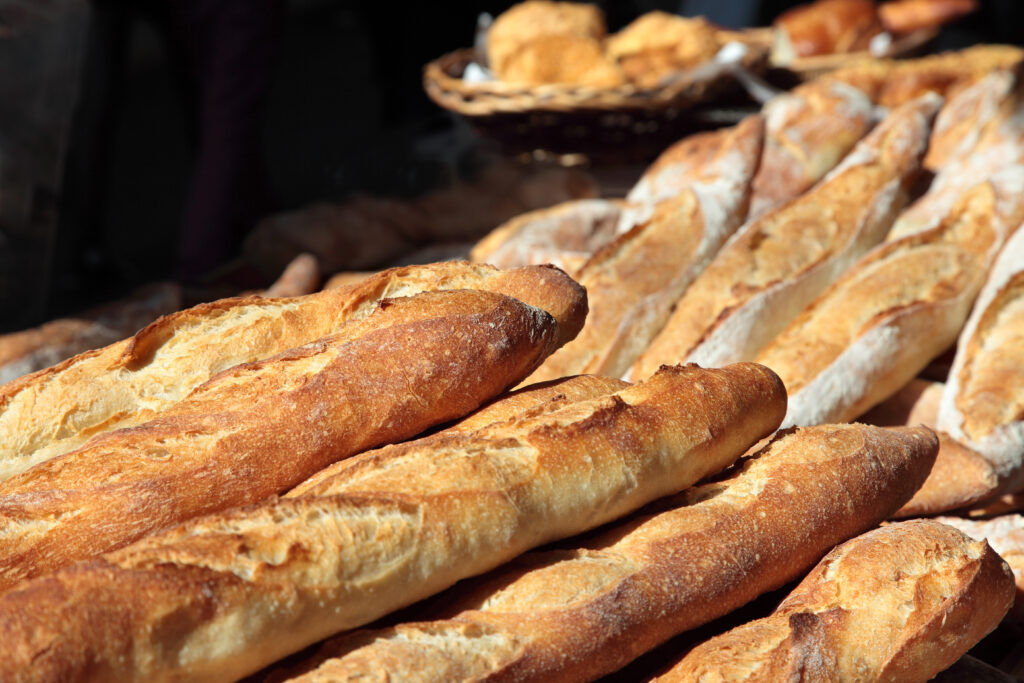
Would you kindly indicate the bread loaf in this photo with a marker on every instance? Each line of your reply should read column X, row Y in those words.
column 301, row 277
column 900, row 603
column 565, row 235
column 527, row 21
column 983, row 403
column 891, row 313
column 259, row 429
column 775, row 265
column 633, row 282
column 907, row 16
column 31, row 350
column 59, row 409
column 224, row 595
column 987, row 144
column 807, row 132
column 824, row 27
column 577, row 613
column 916, row 403
column 1006, row 536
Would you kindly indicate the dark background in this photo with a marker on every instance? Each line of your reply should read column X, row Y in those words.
column 344, row 111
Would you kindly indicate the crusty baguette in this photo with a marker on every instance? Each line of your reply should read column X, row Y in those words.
column 59, row 409
column 301, row 277
column 892, row 82
column 916, row 403
column 1006, row 536
column 259, row 429
column 227, row 594
column 348, row 278
column 982, row 134
column 531, row 397
column 891, row 313
column 565, row 235
column 824, row 27
column 31, row 350
column 532, row 400
column 899, row 604
column 633, row 282
column 775, row 265
column 574, row 614
column 807, row 131
column 983, row 403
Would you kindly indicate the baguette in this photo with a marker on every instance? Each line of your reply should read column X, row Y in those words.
column 301, row 277
column 907, row 16
column 575, row 614
column 259, row 429
column 222, row 596
column 565, row 235
column 807, row 132
column 916, row 403
column 983, row 403
column 891, row 313
column 1006, row 536
column 775, row 265
column 57, row 410
column 900, row 603
column 31, row 350
column 633, row 282
column 970, row 147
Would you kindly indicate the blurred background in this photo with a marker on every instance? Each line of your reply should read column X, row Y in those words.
column 141, row 141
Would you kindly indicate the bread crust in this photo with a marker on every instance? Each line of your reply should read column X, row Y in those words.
column 777, row 264
column 807, row 131
column 259, row 429
column 983, row 403
column 900, row 603
column 583, row 611
column 1005, row 534
column 889, row 315
column 565, row 235
column 633, row 282
column 222, row 596
column 58, row 409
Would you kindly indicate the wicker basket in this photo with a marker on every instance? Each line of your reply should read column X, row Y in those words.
column 443, row 82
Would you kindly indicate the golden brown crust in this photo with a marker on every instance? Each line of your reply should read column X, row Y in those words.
column 776, row 264
column 900, row 603
column 564, row 59
column 960, row 477
column 632, row 283
column 221, row 596
column 58, row 409
column 826, row 27
column 525, row 22
column 247, row 432
column 888, row 316
column 907, row 16
column 658, row 44
column 575, row 614
column 807, row 132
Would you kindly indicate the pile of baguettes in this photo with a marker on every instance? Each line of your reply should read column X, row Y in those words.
column 236, row 483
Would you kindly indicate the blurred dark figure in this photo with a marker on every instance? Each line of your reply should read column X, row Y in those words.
column 222, row 53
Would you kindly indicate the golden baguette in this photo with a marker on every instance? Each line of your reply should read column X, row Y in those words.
column 222, row 596
column 899, row 604
column 300, row 277
column 633, row 282
column 807, row 131
column 890, row 314
column 59, row 409
column 971, row 147
column 983, row 403
column 1006, row 536
column 575, row 614
column 259, row 429
column 775, row 265
column 565, row 235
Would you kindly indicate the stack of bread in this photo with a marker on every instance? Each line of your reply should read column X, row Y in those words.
column 341, row 485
